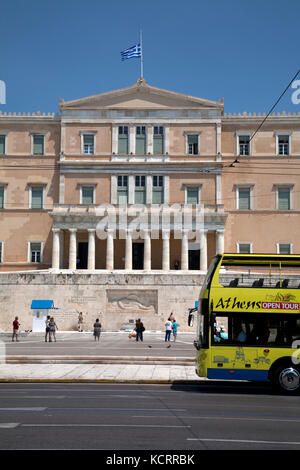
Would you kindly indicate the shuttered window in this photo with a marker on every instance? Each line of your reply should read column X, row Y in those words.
column 244, row 198
column 140, row 189
column 87, row 195
column 158, row 140
column 123, row 140
column 284, row 199
column 36, row 198
column 140, row 140
column 284, row 248
column 2, row 144
column 122, row 189
column 38, row 144
column 1, row 197
column 192, row 196
column 158, row 190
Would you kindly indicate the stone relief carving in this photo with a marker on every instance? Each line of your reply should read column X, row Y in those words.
column 132, row 302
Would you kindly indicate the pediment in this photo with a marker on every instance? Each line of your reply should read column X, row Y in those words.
column 141, row 96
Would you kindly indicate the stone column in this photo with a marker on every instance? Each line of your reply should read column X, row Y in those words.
column 220, row 242
column 72, row 249
column 166, row 250
column 147, row 250
column 128, row 251
column 110, row 250
column 91, row 249
column 203, row 251
column 56, row 248
column 184, row 251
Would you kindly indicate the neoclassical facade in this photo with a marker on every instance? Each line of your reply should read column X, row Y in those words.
column 143, row 180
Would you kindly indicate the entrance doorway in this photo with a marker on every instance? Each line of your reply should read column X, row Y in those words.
column 82, row 255
column 138, row 256
column 194, row 259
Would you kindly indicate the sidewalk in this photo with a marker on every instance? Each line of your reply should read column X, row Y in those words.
column 83, row 361
column 119, row 373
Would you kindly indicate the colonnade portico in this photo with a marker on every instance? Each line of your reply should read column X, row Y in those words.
column 145, row 238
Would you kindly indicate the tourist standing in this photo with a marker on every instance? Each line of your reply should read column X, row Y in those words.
column 175, row 325
column 139, row 328
column 97, row 329
column 80, row 322
column 16, row 327
column 52, row 329
column 168, row 326
column 47, row 332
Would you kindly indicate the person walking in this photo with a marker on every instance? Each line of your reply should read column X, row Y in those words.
column 16, row 327
column 97, row 329
column 139, row 328
column 47, row 332
column 168, row 326
column 175, row 325
column 52, row 329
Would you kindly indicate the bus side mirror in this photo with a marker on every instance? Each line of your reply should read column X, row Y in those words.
column 191, row 319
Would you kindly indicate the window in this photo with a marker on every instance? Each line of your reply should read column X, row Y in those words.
column 284, row 199
column 253, row 330
column 123, row 140
column 1, row 251
column 244, row 248
column 2, row 197
column 244, row 201
column 2, row 144
column 88, row 144
column 158, row 190
column 244, row 144
column 284, row 248
column 140, row 140
column 140, row 189
column 87, row 194
column 193, row 144
column 37, row 197
column 283, row 144
column 122, row 189
column 35, row 252
column 192, row 195
column 38, row 144
column 158, row 140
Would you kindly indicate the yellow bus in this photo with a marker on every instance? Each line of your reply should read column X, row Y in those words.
column 248, row 320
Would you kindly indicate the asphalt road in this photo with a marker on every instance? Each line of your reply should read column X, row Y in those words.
column 145, row 417
column 110, row 344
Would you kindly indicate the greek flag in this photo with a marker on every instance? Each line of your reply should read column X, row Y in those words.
column 134, row 51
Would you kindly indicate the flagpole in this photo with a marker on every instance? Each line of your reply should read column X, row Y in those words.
column 142, row 61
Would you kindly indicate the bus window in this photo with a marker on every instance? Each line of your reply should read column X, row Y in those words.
column 257, row 330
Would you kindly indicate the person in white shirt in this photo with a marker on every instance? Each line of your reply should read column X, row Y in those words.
column 168, row 326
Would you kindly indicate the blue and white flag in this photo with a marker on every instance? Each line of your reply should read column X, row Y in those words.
column 134, row 51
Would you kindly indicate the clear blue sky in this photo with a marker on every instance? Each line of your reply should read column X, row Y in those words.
column 246, row 51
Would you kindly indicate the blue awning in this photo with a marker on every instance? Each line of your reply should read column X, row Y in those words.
column 39, row 304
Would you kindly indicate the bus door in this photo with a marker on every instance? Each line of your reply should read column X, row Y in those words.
column 233, row 353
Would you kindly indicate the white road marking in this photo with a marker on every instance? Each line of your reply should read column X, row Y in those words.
column 102, row 426
column 8, row 425
column 24, row 409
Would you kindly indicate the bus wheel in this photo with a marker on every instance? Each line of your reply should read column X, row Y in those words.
column 287, row 379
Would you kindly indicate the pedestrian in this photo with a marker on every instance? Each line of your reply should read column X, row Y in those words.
column 52, row 329
column 97, row 329
column 168, row 326
column 139, row 328
column 175, row 325
column 47, row 333
column 16, row 327
column 80, row 322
